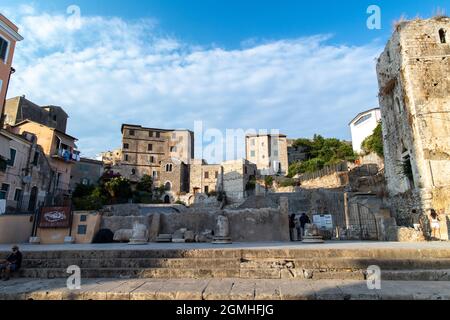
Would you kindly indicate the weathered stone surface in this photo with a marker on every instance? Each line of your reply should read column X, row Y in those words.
column 403, row 234
column 123, row 235
column 413, row 81
column 154, row 227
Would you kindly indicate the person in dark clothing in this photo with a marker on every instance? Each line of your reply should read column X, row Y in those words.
column 12, row 263
column 292, row 230
column 304, row 219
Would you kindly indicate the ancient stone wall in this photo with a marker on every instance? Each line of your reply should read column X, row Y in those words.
column 415, row 105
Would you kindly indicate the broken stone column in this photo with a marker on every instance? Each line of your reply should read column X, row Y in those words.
column 222, row 232
column 140, row 234
column 154, row 227
column 312, row 234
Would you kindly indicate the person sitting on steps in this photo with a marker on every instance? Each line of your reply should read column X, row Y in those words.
column 12, row 263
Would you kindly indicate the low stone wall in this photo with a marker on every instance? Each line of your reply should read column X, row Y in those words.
column 334, row 180
column 15, row 228
column 246, row 225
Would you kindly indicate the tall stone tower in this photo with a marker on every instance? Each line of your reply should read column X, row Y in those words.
column 414, row 80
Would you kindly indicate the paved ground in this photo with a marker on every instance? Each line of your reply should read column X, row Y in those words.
column 217, row 289
column 260, row 245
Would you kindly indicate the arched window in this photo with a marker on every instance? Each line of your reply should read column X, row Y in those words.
column 133, row 171
column 442, row 36
column 168, row 186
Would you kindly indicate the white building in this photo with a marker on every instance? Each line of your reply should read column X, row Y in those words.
column 362, row 126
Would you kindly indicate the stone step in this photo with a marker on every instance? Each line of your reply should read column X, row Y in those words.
column 309, row 274
column 241, row 253
column 234, row 263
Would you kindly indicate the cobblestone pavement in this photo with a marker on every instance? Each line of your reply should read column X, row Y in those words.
column 220, row 289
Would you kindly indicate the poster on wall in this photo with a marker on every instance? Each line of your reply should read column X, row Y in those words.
column 323, row 221
column 55, row 217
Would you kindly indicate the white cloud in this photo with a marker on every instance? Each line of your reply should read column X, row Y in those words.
column 112, row 71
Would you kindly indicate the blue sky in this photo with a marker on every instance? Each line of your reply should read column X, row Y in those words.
column 302, row 67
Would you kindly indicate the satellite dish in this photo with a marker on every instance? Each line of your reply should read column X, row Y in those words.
column 26, row 179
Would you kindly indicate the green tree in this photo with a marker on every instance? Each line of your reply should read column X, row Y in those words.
column 320, row 152
column 119, row 189
column 374, row 142
column 145, row 184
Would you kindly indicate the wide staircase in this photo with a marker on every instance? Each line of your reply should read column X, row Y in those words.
column 305, row 263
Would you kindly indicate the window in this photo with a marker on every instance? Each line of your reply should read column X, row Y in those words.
column 3, row 49
column 152, row 159
column 155, row 175
column 55, row 118
column 18, row 195
column 58, row 178
column 126, row 146
column 36, row 158
column 158, row 135
column 131, row 132
column 126, row 157
column 12, row 159
column 150, row 147
column 275, row 153
column 399, row 106
column 133, row 172
column 82, row 229
column 363, row 119
column 83, row 218
column 168, row 186
column 217, row 174
column 169, row 167
column 173, row 149
column 252, row 153
column 206, row 175
column 206, row 189
column 253, row 142
column 4, row 191
column 442, row 36
column 150, row 134
column 85, row 182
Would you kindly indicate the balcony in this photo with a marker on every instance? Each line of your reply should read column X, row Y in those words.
column 67, row 155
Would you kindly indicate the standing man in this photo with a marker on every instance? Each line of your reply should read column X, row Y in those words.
column 304, row 219
column 12, row 264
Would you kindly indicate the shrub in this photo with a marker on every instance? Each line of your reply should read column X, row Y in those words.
column 288, row 183
column 145, row 184
column 374, row 142
column 90, row 202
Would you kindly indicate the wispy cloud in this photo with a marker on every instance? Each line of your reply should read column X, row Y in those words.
column 111, row 71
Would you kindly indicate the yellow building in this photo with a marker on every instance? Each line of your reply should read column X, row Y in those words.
column 59, row 148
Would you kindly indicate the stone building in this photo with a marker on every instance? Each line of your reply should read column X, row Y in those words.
column 362, row 126
column 174, row 176
column 268, row 152
column 86, row 172
column 204, row 177
column 60, row 150
column 19, row 109
column 111, row 158
column 415, row 105
column 230, row 177
column 236, row 175
column 27, row 178
column 144, row 149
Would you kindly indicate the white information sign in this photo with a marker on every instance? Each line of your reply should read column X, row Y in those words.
column 323, row 221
